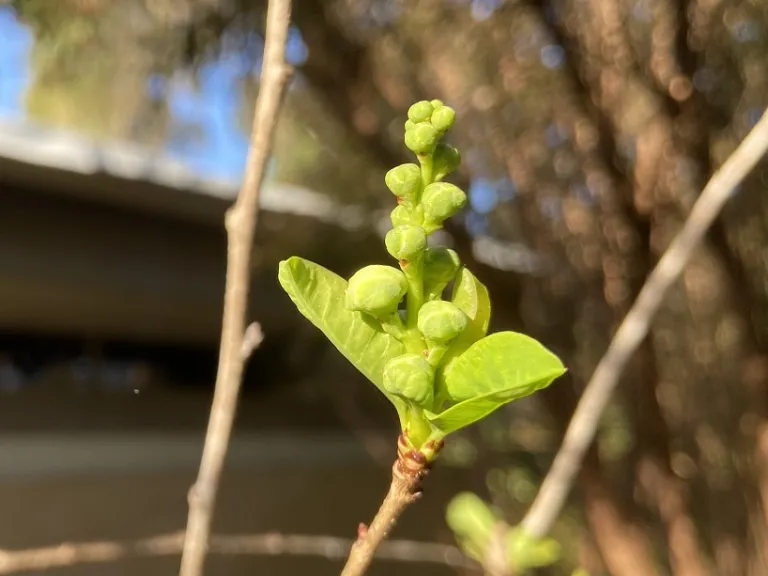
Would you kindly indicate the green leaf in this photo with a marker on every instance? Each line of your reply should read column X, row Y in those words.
column 471, row 297
column 319, row 295
column 526, row 552
column 470, row 517
column 494, row 371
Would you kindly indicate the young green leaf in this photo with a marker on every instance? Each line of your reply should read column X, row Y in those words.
column 319, row 295
column 494, row 371
column 526, row 552
column 471, row 297
column 472, row 522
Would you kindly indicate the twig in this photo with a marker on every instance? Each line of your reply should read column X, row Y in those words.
column 240, row 223
column 634, row 328
column 496, row 559
column 409, row 470
column 273, row 544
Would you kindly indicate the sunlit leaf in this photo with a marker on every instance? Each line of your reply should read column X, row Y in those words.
column 471, row 297
column 496, row 370
column 319, row 295
column 472, row 521
column 526, row 552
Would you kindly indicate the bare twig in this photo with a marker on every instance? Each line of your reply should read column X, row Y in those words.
column 496, row 560
column 273, row 544
column 634, row 328
column 241, row 226
column 407, row 473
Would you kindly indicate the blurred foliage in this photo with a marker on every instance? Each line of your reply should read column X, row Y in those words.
column 589, row 128
column 500, row 548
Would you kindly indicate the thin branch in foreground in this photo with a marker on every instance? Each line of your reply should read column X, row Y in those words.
column 236, row 342
column 634, row 328
column 274, row 544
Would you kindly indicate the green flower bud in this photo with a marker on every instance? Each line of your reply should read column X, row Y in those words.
column 446, row 160
column 420, row 112
column 400, row 216
column 376, row 290
column 404, row 181
column 442, row 200
column 437, row 104
column 406, row 242
column 409, row 124
column 440, row 321
column 443, row 118
column 440, row 267
column 422, row 138
column 410, row 376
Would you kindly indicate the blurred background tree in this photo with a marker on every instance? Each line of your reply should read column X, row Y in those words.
column 588, row 127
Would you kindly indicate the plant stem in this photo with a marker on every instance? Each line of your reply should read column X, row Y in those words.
column 407, row 473
column 436, row 354
column 634, row 328
column 236, row 341
column 68, row 554
column 417, row 427
column 427, row 164
column 394, row 326
column 415, row 296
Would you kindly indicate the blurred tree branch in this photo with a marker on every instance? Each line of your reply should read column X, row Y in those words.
column 581, row 430
column 237, row 341
column 271, row 544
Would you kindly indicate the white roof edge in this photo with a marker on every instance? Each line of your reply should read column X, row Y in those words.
column 32, row 144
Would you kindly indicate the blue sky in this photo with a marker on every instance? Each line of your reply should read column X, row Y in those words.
column 220, row 153
column 15, row 45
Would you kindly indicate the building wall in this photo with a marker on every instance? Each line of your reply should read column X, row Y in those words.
column 274, row 485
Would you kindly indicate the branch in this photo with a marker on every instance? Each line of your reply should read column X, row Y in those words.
column 332, row 548
column 409, row 470
column 236, row 342
column 634, row 328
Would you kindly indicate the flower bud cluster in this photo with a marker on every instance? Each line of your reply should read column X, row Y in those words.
column 427, row 122
column 424, row 203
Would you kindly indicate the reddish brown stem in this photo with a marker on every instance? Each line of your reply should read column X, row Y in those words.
column 408, row 471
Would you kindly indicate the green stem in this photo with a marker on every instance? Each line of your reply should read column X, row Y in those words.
column 436, row 354
column 394, row 327
column 427, row 164
column 415, row 296
column 418, row 428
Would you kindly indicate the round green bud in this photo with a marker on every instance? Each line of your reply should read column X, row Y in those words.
column 400, row 216
column 404, row 181
column 422, row 138
column 446, row 160
column 437, row 104
column 409, row 124
column 443, row 118
column 442, row 200
column 406, row 242
column 440, row 265
column 376, row 290
column 441, row 321
column 411, row 377
column 420, row 112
